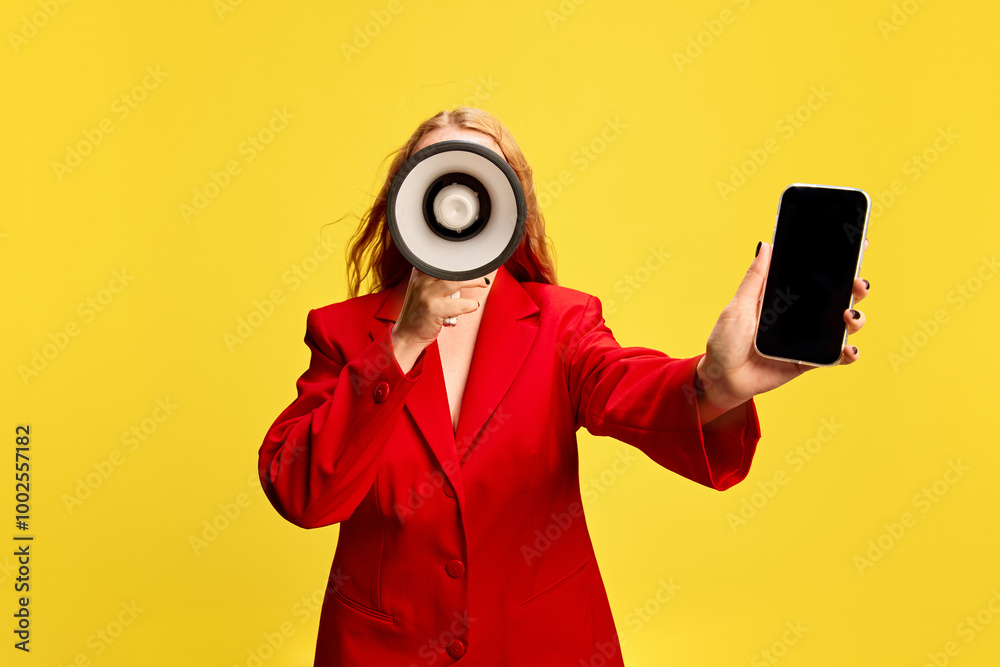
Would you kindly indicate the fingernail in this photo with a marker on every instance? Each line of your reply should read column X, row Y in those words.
column 757, row 251
column 479, row 305
column 868, row 285
column 855, row 348
column 855, row 314
column 488, row 281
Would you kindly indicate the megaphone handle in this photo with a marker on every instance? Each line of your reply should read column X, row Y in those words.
column 452, row 321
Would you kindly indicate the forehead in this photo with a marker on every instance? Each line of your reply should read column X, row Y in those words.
column 457, row 134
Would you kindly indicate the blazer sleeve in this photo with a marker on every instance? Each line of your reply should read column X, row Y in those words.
column 647, row 399
column 320, row 457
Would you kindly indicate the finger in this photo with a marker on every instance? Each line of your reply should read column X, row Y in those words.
column 452, row 286
column 753, row 281
column 861, row 287
column 447, row 307
column 850, row 355
column 855, row 320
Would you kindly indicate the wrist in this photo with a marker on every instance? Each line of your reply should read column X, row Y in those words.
column 710, row 387
column 406, row 349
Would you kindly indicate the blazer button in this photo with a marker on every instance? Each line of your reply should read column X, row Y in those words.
column 455, row 568
column 381, row 392
column 456, row 649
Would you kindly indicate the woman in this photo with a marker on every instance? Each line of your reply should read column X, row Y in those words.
column 448, row 454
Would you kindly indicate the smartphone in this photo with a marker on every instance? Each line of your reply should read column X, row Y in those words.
column 816, row 253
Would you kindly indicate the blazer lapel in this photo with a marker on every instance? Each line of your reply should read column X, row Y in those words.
column 427, row 402
column 506, row 332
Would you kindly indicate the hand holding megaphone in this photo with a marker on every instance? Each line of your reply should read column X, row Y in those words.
column 428, row 304
column 456, row 211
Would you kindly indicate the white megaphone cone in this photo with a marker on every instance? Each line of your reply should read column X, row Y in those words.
column 456, row 211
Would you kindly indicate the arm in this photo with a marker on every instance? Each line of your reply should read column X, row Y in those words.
column 649, row 400
column 732, row 372
column 320, row 457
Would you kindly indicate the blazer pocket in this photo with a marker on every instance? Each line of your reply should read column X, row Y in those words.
column 562, row 582
column 357, row 606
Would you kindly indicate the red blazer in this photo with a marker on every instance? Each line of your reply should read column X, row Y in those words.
column 471, row 546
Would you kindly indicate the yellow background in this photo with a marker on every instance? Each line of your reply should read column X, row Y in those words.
column 559, row 75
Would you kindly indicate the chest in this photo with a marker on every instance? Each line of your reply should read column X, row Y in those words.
column 456, row 345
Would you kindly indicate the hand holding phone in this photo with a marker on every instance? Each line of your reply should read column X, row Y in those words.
column 816, row 254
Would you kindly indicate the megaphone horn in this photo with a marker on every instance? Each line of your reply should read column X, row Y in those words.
column 456, row 210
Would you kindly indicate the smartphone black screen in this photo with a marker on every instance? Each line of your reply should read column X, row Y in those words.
column 817, row 243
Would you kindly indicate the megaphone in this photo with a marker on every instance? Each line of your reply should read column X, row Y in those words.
column 456, row 210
